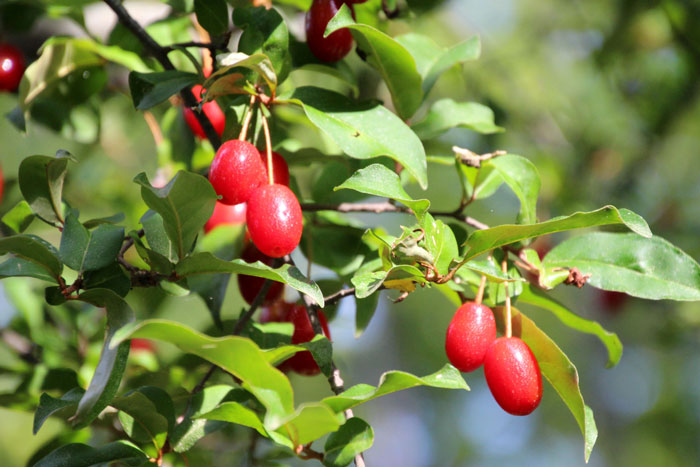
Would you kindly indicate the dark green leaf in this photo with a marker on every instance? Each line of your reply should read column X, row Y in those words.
column 19, row 217
column 485, row 240
column 264, row 31
column 650, row 268
column 49, row 405
column 18, row 267
column 32, row 249
column 389, row 58
column 162, row 252
column 113, row 219
column 82, row 455
column 212, row 15
column 446, row 114
column 84, row 250
column 111, row 277
column 41, row 182
column 364, row 311
column 185, row 204
column 320, row 244
column 522, row 177
column 150, row 89
column 140, row 418
column 362, row 130
column 350, row 440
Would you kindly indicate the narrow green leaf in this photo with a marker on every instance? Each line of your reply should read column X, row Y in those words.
column 377, row 180
column 206, row 263
column 41, row 183
column 212, row 15
column 533, row 296
column 556, row 368
column 19, row 217
column 650, row 268
column 49, row 406
column 18, row 267
column 33, row 250
column 354, row 437
column 389, row 58
column 185, row 204
column 522, row 177
column 362, row 130
column 150, row 89
column 482, row 241
column 448, row 377
column 82, row 455
column 446, row 114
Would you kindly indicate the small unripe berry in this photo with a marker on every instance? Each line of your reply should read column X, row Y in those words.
column 274, row 220
column 513, row 375
column 336, row 45
column 469, row 335
column 250, row 285
column 213, row 112
column 236, row 171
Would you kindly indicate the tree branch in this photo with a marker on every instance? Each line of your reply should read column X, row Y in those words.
column 161, row 54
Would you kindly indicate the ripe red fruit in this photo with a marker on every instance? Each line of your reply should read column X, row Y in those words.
column 303, row 362
column 225, row 214
column 335, row 46
column 469, row 335
column 513, row 375
column 274, row 220
column 280, row 170
column 11, row 67
column 142, row 345
column 211, row 109
column 236, row 171
column 251, row 285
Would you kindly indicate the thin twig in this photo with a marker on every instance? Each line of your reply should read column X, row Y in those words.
column 246, row 121
column 473, row 159
column 268, row 149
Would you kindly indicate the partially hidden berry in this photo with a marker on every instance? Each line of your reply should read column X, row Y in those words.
column 213, row 112
column 274, row 220
column 236, row 171
column 280, row 169
column 250, row 286
column 303, row 362
column 336, row 45
column 225, row 214
column 469, row 335
column 11, row 67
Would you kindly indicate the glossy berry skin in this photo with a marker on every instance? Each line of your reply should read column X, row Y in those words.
column 303, row 362
column 469, row 335
column 225, row 214
column 513, row 375
column 11, row 67
column 251, row 285
column 280, row 170
column 274, row 220
column 333, row 47
column 211, row 109
column 236, row 171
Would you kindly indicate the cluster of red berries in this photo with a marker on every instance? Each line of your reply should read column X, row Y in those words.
column 510, row 368
column 336, row 45
column 11, row 67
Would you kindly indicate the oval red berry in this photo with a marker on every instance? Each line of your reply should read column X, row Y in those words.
column 236, row 171
column 335, row 46
column 469, row 335
column 274, row 220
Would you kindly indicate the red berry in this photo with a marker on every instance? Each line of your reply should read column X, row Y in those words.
column 251, row 285
column 213, row 112
column 303, row 362
column 142, row 345
column 333, row 47
column 236, row 171
column 11, row 67
column 274, row 220
column 612, row 302
column 513, row 375
column 469, row 335
column 280, row 170
column 225, row 214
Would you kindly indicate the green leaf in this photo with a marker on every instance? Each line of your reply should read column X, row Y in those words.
column 362, row 130
column 354, row 437
column 49, row 406
column 377, row 180
column 140, row 419
column 113, row 219
column 110, row 368
column 485, row 240
column 42, row 256
column 364, row 311
column 185, row 204
column 212, row 15
column 150, row 89
column 446, row 114
column 41, row 182
column 224, row 81
column 111, row 277
column 489, row 269
column 522, row 177
column 320, row 348
column 19, row 217
column 448, row 377
column 237, row 355
column 206, row 263
column 423, row 49
column 389, row 58
column 533, row 296
column 366, row 283
column 234, row 412
column 162, row 252
column 309, row 422
column 264, row 31
column 85, row 250
column 440, row 242
column 650, row 268
column 321, row 245
column 556, row 368
column 82, row 455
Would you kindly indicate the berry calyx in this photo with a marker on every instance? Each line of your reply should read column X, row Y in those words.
column 335, row 46
column 280, row 170
column 236, row 171
column 213, row 112
column 469, row 335
column 11, row 67
column 225, row 214
column 303, row 362
column 274, row 220
column 250, row 286
column 513, row 375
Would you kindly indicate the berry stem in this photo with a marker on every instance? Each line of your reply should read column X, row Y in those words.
column 509, row 326
column 480, row 292
column 246, row 121
column 268, row 150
